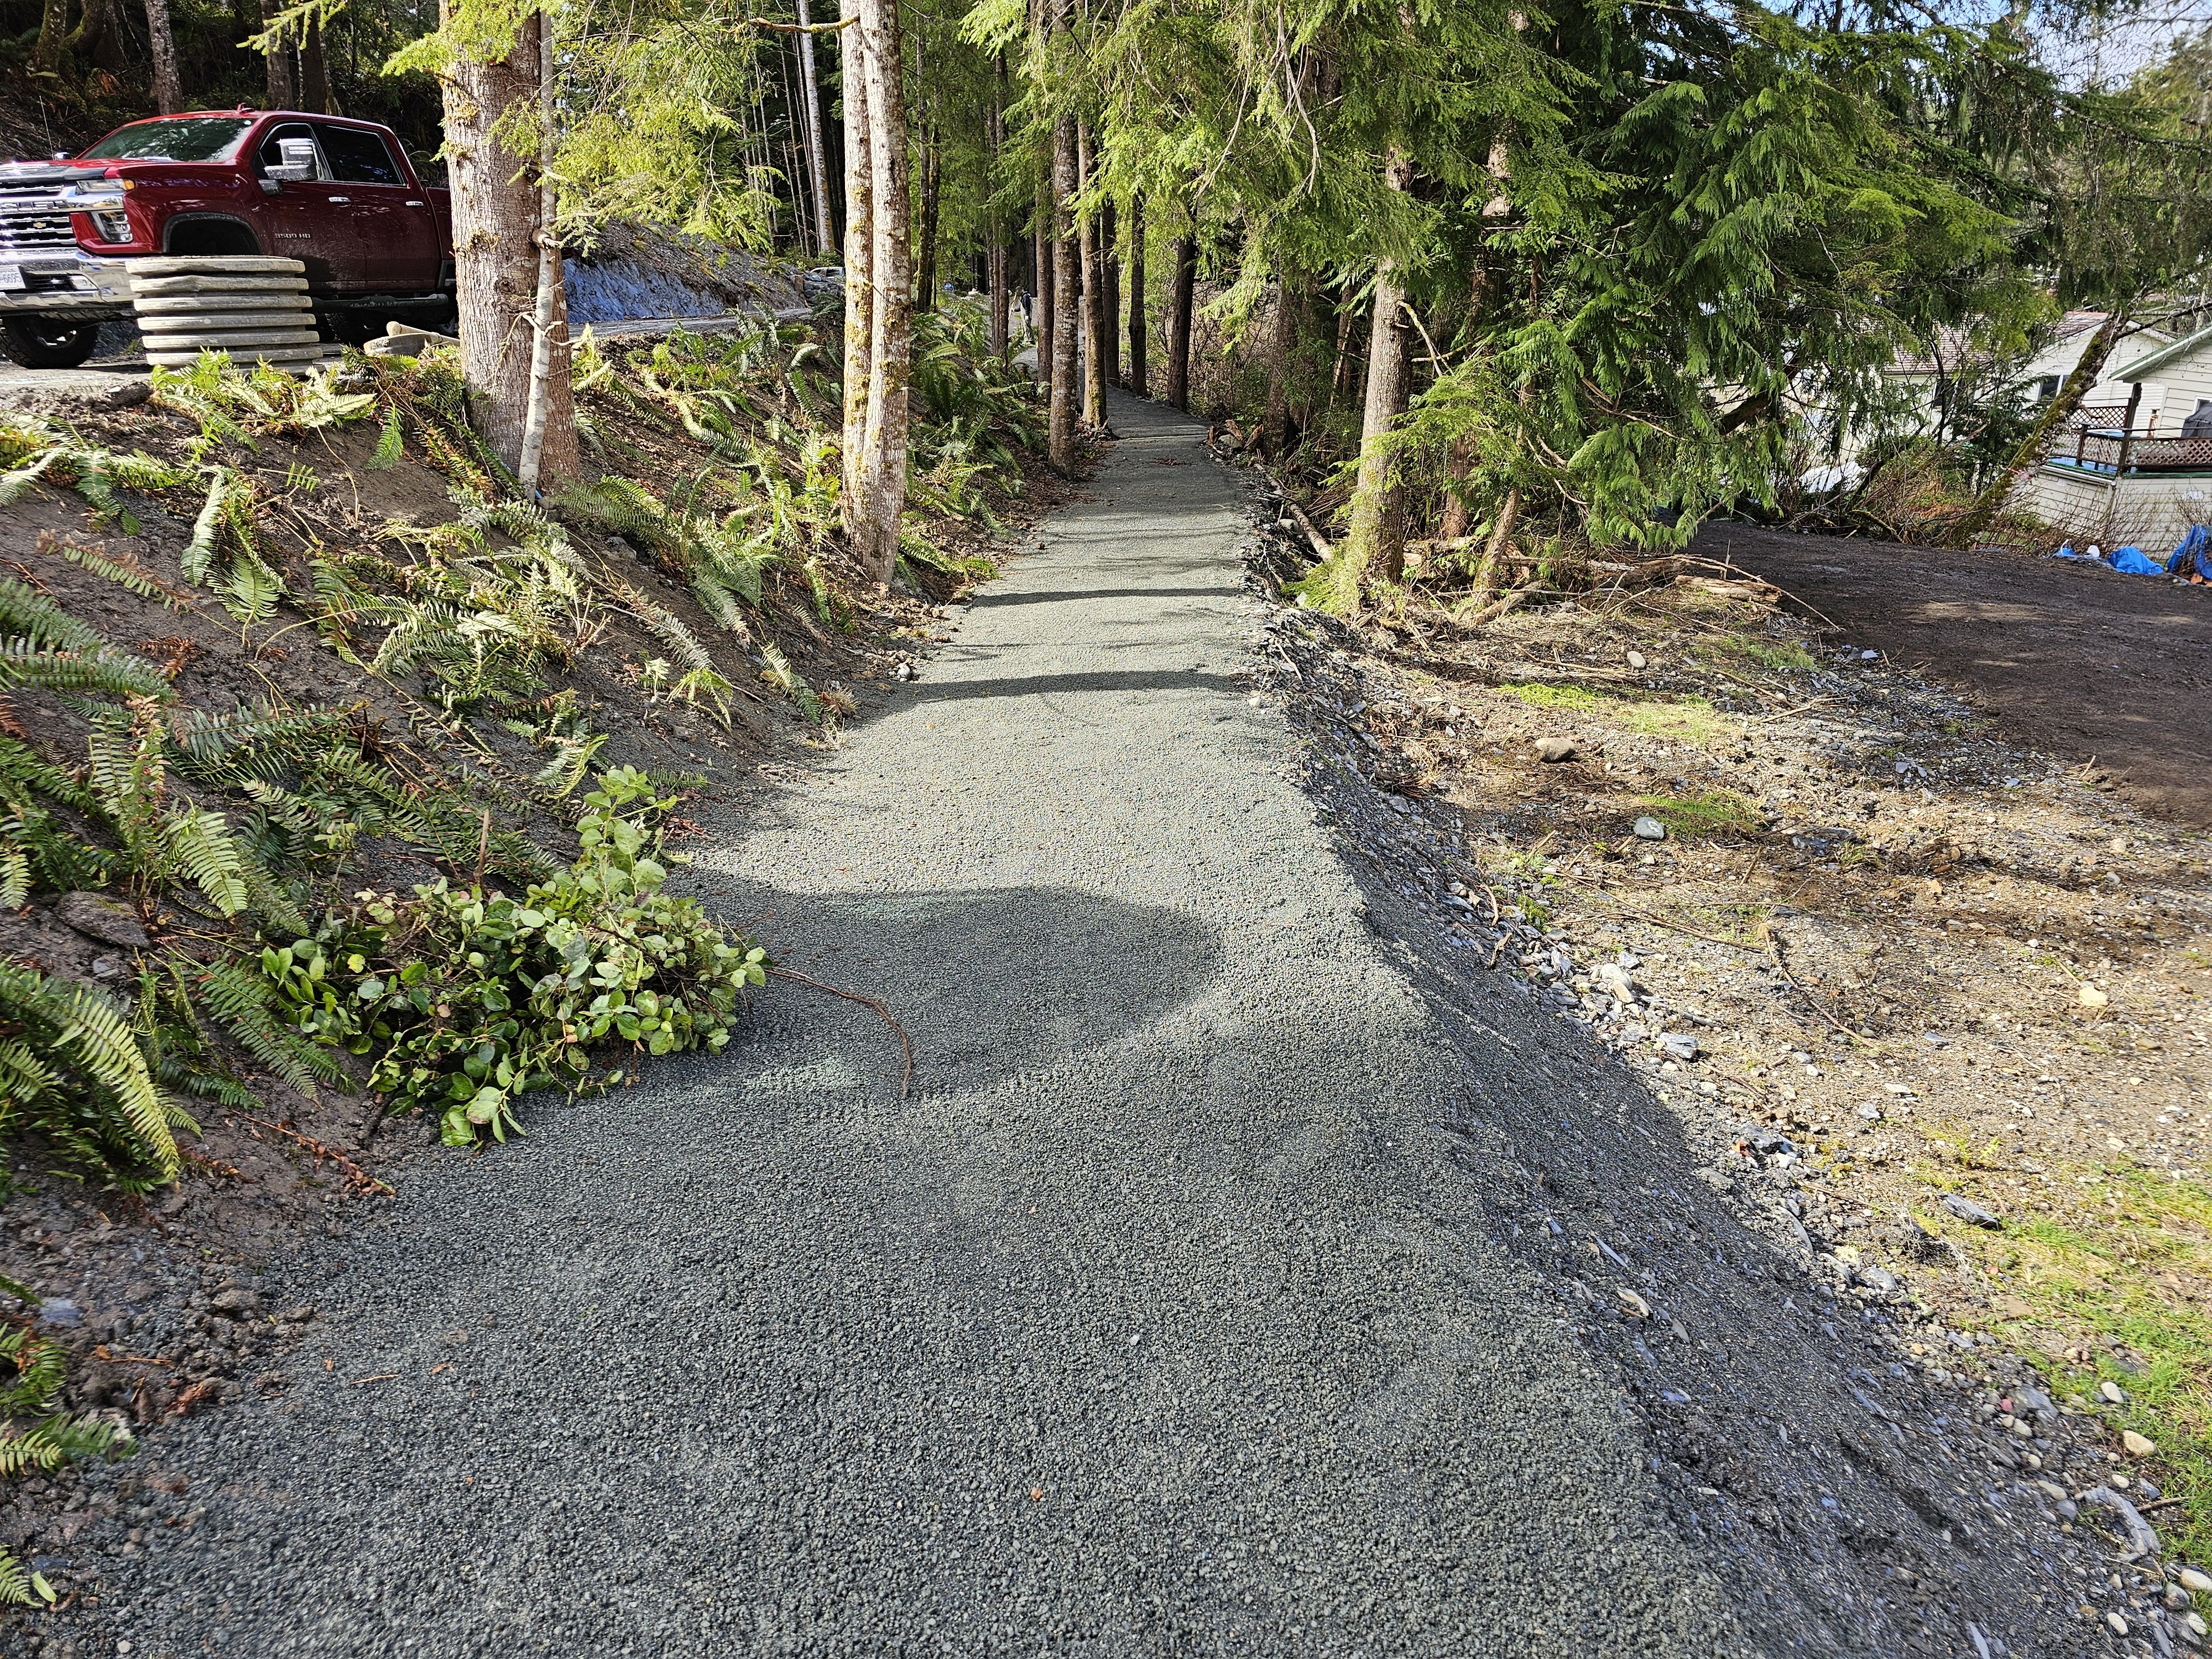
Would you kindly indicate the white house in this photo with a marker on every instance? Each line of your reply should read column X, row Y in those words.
column 2135, row 467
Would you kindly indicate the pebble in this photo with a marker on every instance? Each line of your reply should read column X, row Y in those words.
column 2115, row 1623
column 1649, row 829
column 1679, row 1046
column 1555, row 749
column 2113, row 1393
column 2137, row 1445
column 1880, row 1280
column 2196, row 1582
column 1637, row 660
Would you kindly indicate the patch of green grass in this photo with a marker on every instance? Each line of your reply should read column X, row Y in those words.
column 2125, row 1272
column 1579, row 699
column 1709, row 812
column 1685, row 720
column 1768, row 654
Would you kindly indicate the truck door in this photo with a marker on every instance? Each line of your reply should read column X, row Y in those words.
column 311, row 219
column 398, row 233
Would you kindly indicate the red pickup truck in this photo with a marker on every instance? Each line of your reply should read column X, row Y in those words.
column 341, row 195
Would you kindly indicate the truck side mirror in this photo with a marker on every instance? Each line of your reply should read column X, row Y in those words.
column 298, row 165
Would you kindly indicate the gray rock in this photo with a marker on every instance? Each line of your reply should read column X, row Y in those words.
column 107, row 967
column 1637, row 660
column 58, row 1310
column 237, row 1302
column 1879, row 1279
column 1649, row 828
column 1679, row 1046
column 2113, row 1393
column 1969, row 1212
column 1555, row 749
column 100, row 918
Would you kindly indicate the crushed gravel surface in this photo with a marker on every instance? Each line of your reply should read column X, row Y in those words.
column 1243, row 1273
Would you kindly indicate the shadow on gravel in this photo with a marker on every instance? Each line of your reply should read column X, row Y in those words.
column 988, row 984
column 1046, row 684
column 987, row 600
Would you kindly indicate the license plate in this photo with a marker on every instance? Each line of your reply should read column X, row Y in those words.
column 11, row 277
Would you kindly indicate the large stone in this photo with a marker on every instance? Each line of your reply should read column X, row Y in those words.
column 102, row 918
column 158, row 308
column 230, row 339
column 229, row 265
column 156, row 288
column 229, row 322
column 1555, row 749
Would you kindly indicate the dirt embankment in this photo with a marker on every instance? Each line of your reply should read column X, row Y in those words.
column 1942, row 987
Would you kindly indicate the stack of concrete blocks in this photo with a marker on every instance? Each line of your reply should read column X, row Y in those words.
column 251, row 306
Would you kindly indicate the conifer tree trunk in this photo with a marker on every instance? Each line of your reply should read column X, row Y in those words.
column 812, row 97
column 996, row 249
column 314, row 76
column 1059, row 427
column 1275, row 427
column 497, row 216
column 1109, row 292
column 1376, row 539
column 51, row 51
column 1137, row 327
column 859, row 269
column 925, row 298
column 1181, row 292
column 277, row 67
column 890, row 340
column 1094, row 320
column 2055, row 413
column 168, row 89
column 1041, row 258
column 548, row 429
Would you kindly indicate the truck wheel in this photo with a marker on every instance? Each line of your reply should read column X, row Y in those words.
column 46, row 342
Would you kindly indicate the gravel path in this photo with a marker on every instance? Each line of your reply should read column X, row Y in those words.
column 1164, row 1316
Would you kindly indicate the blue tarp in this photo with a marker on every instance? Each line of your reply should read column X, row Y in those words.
column 2193, row 555
column 2134, row 561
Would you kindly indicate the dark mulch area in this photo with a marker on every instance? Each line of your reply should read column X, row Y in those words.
column 2079, row 661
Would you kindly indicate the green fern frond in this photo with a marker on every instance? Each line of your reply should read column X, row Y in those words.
column 123, row 571
column 117, row 673
column 36, row 620
column 199, row 844
column 390, row 447
column 242, row 999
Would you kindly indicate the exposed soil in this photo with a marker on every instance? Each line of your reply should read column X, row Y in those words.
column 2070, row 658
column 1899, row 955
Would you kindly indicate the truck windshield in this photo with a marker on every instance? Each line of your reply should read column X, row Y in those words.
column 209, row 139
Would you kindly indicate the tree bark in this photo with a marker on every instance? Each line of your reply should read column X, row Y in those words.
column 278, row 66
column 50, row 53
column 890, row 341
column 859, row 269
column 1041, row 254
column 1376, row 539
column 810, row 96
column 995, row 250
column 1181, row 292
column 547, row 456
column 1094, row 316
column 314, row 75
column 1109, row 292
column 1059, row 427
column 1275, row 427
column 925, row 297
column 2059, row 411
column 1138, row 377
column 498, row 213
column 168, row 90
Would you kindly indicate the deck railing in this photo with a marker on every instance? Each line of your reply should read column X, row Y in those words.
column 2117, row 453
